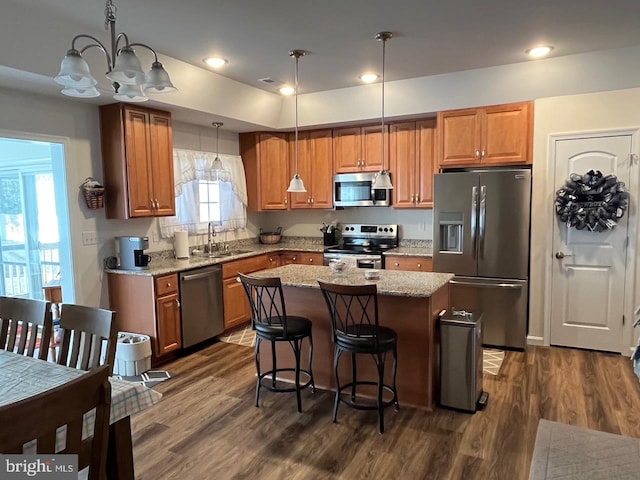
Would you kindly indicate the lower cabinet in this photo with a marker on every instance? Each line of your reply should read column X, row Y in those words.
column 236, row 305
column 407, row 263
column 150, row 306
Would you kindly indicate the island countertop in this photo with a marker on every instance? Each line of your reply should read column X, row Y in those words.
column 391, row 282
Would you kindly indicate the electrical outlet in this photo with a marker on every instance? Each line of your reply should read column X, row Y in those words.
column 90, row 238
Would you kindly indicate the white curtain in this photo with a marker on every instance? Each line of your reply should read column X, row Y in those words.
column 189, row 167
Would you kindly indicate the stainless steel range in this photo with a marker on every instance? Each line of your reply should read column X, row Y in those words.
column 365, row 244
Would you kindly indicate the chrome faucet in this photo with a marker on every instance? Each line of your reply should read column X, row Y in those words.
column 211, row 233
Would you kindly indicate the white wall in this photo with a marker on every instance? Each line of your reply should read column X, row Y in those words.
column 562, row 115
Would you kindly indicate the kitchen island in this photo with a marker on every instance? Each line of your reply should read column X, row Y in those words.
column 408, row 302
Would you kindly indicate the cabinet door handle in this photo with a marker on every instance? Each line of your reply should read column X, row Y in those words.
column 397, row 264
column 482, row 154
column 311, row 201
column 477, row 154
column 311, row 260
column 419, row 265
column 417, row 198
column 293, row 258
column 286, row 201
column 168, row 284
column 413, row 199
column 177, row 303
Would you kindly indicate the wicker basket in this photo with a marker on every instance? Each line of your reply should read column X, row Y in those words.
column 93, row 195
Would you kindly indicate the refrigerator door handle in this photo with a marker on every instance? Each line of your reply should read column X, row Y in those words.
column 474, row 220
column 487, row 285
column 483, row 218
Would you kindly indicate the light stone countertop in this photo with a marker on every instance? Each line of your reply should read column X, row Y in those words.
column 411, row 252
column 391, row 282
column 162, row 265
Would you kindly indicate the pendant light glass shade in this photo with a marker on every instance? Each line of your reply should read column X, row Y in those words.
column 127, row 69
column 217, row 167
column 382, row 180
column 74, row 71
column 81, row 92
column 296, row 185
column 130, row 93
column 157, row 80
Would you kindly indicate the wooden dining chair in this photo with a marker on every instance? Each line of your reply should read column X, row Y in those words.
column 84, row 332
column 38, row 418
column 25, row 325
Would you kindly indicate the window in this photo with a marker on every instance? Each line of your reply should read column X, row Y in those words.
column 209, row 200
column 203, row 197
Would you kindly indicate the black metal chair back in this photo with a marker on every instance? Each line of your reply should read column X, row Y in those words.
column 354, row 314
column 268, row 311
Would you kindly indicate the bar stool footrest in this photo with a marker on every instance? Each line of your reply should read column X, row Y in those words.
column 265, row 384
column 360, row 406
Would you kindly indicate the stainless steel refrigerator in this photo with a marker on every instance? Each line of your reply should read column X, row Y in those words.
column 481, row 234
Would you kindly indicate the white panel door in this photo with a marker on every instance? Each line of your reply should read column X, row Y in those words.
column 588, row 283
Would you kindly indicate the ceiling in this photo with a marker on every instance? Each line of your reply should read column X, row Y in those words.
column 430, row 37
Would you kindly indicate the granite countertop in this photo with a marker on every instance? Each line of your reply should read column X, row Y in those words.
column 163, row 264
column 411, row 251
column 391, row 282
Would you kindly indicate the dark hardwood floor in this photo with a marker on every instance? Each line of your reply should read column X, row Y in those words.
column 206, row 426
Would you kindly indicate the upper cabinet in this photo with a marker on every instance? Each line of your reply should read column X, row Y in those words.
column 412, row 160
column 359, row 149
column 266, row 165
column 137, row 157
column 315, row 168
column 495, row 135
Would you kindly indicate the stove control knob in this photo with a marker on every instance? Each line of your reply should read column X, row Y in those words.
column 386, row 229
column 380, row 229
column 391, row 230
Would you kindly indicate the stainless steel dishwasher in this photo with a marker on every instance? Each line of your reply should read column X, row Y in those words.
column 201, row 304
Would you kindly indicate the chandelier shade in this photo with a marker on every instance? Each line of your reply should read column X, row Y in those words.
column 74, row 71
column 124, row 69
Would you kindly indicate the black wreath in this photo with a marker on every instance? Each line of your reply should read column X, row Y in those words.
column 592, row 201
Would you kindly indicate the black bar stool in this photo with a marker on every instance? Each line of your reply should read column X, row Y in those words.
column 354, row 321
column 270, row 320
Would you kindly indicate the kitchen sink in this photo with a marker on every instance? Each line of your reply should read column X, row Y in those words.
column 220, row 253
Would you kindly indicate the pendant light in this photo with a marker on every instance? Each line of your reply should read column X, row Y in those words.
column 382, row 179
column 217, row 167
column 296, row 185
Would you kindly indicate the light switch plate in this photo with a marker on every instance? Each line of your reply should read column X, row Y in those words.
column 89, row 238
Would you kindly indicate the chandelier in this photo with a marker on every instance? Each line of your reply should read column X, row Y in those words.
column 123, row 67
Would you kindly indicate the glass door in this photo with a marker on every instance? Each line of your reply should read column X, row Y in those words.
column 34, row 239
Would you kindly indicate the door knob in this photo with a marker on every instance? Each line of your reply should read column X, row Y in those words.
column 561, row 255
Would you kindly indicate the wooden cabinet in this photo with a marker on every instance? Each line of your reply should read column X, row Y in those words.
column 359, row 149
column 149, row 306
column 494, row 135
column 137, row 157
column 266, row 165
column 301, row 258
column 412, row 163
column 408, row 263
column 169, row 336
column 315, row 168
column 236, row 305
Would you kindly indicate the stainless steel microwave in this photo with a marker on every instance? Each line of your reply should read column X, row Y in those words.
column 354, row 190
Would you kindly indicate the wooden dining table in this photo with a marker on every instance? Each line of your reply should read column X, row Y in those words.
column 22, row 377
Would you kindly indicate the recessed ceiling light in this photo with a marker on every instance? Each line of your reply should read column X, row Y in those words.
column 539, row 52
column 287, row 90
column 216, row 62
column 369, row 77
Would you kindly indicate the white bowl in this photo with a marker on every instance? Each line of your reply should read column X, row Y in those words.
column 371, row 274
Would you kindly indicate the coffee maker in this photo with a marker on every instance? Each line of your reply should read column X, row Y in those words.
column 132, row 256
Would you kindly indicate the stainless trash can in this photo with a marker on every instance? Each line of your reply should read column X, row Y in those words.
column 461, row 360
